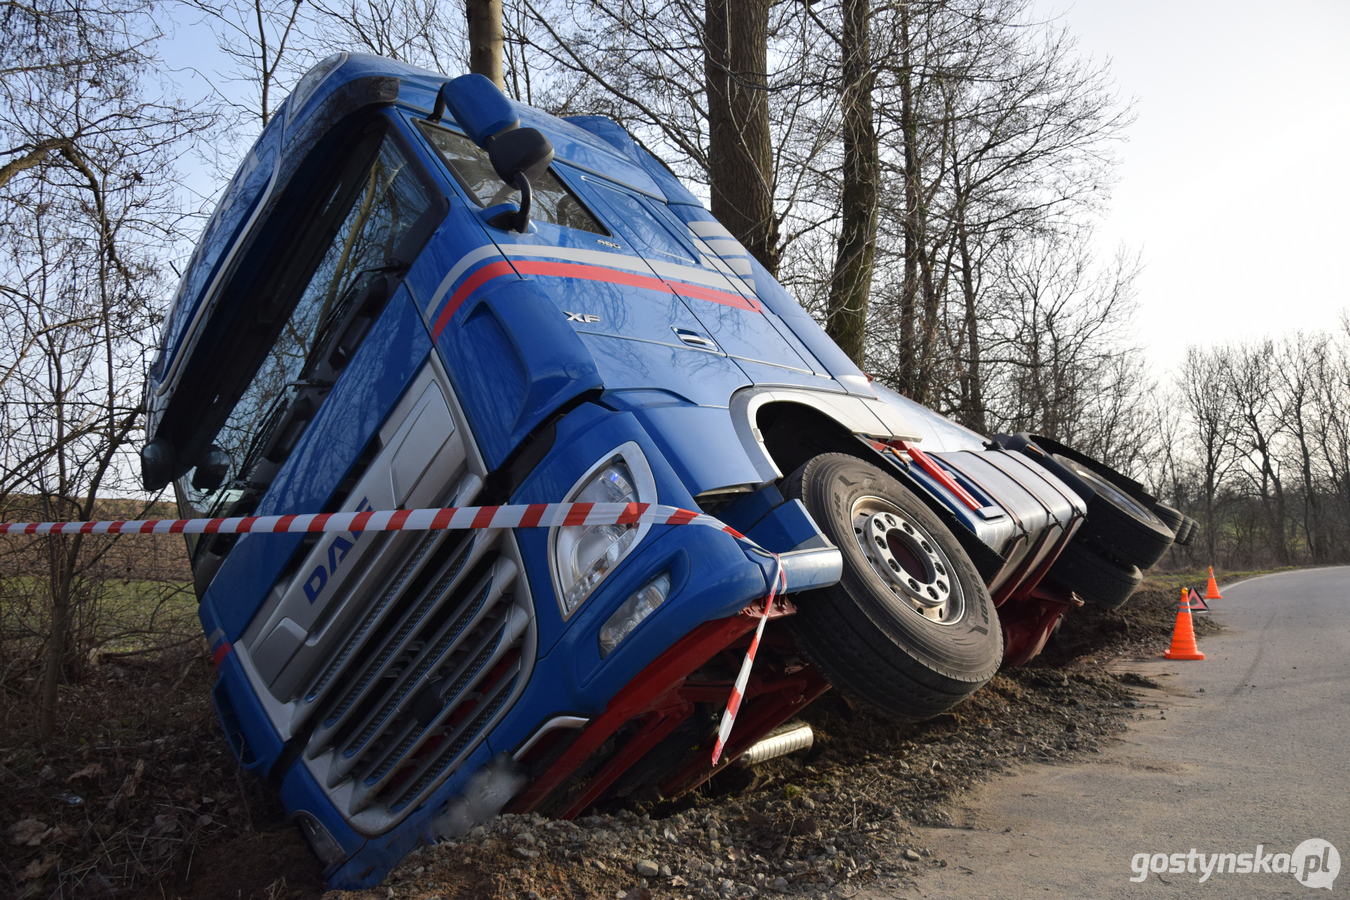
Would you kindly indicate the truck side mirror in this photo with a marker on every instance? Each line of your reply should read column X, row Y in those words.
column 478, row 107
column 524, row 151
column 211, row 469
column 519, row 155
column 156, row 464
column 487, row 117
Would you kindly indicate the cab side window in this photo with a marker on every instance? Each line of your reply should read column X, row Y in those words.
column 552, row 201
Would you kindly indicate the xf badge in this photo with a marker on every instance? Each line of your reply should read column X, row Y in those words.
column 585, row 318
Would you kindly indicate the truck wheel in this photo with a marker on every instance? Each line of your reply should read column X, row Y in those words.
column 909, row 630
column 1172, row 518
column 1093, row 577
column 1119, row 523
column 1191, row 527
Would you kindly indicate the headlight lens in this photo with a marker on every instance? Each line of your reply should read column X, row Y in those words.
column 584, row 554
column 636, row 608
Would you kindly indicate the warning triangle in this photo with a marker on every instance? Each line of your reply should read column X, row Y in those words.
column 1197, row 603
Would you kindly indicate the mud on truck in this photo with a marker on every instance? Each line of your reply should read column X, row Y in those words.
column 416, row 293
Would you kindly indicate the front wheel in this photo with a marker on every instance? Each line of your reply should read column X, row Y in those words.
column 909, row 630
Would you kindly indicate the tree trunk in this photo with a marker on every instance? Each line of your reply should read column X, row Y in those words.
column 485, row 39
column 852, row 282
column 973, row 416
column 909, row 288
column 740, row 152
column 53, row 661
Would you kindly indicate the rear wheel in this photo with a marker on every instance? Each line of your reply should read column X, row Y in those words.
column 1095, row 578
column 1118, row 523
column 909, row 630
column 1172, row 518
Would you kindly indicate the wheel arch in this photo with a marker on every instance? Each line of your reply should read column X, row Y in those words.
column 781, row 430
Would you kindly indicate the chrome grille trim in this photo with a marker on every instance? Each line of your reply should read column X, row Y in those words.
column 398, row 667
column 439, row 763
column 473, row 676
column 373, row 616
column 423, row 690
column 446, row 651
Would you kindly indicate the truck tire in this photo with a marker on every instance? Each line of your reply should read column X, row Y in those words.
column 1093, row 577
column 1191, row 527
column 1172, row 518
column 909, row 630
column 1118, row 523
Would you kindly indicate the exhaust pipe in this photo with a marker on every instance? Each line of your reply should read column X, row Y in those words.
column 790, row 740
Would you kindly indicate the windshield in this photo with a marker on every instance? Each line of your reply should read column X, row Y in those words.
column 290, row 383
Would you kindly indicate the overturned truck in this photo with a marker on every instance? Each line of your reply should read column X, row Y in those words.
column 416, row 293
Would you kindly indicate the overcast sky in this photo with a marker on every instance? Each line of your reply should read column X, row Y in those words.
column 1236, row 178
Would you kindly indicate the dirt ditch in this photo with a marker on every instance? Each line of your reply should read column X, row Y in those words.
column 141, row 797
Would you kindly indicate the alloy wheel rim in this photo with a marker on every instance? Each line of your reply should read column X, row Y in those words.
column 907, row 560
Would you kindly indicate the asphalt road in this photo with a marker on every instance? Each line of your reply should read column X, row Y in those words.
column 1249, row 747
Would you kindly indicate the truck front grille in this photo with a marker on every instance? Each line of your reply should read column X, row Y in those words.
column 437, row 656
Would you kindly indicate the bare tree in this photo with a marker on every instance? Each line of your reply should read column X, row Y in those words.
column 83, row 228
column 1301, row 367
column 412, row 31
column 1000, row 138
column 1249, row 372
column 1212, row 423
column 740, row 155
column 1055, row 352
column 851, row 284
column 259, row 37
column 484, row 19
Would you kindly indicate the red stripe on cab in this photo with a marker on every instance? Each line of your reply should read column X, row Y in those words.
column 222, row 650
column 470, row 284
column 632, row 279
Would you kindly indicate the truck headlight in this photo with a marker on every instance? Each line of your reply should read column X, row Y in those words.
column 583, row 555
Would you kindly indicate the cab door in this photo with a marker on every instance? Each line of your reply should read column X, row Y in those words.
column 598, row 283
column 730, row 315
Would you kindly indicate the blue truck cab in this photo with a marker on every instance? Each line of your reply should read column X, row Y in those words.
column 379, row 317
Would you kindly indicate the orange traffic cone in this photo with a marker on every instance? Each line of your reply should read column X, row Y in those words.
column 1183, row 635
column 1212, row 589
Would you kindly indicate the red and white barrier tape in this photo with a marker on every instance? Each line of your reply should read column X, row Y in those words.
column 738, row 692
column 534, row 515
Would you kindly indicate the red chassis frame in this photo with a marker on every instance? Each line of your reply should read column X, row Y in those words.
column 662, row 696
